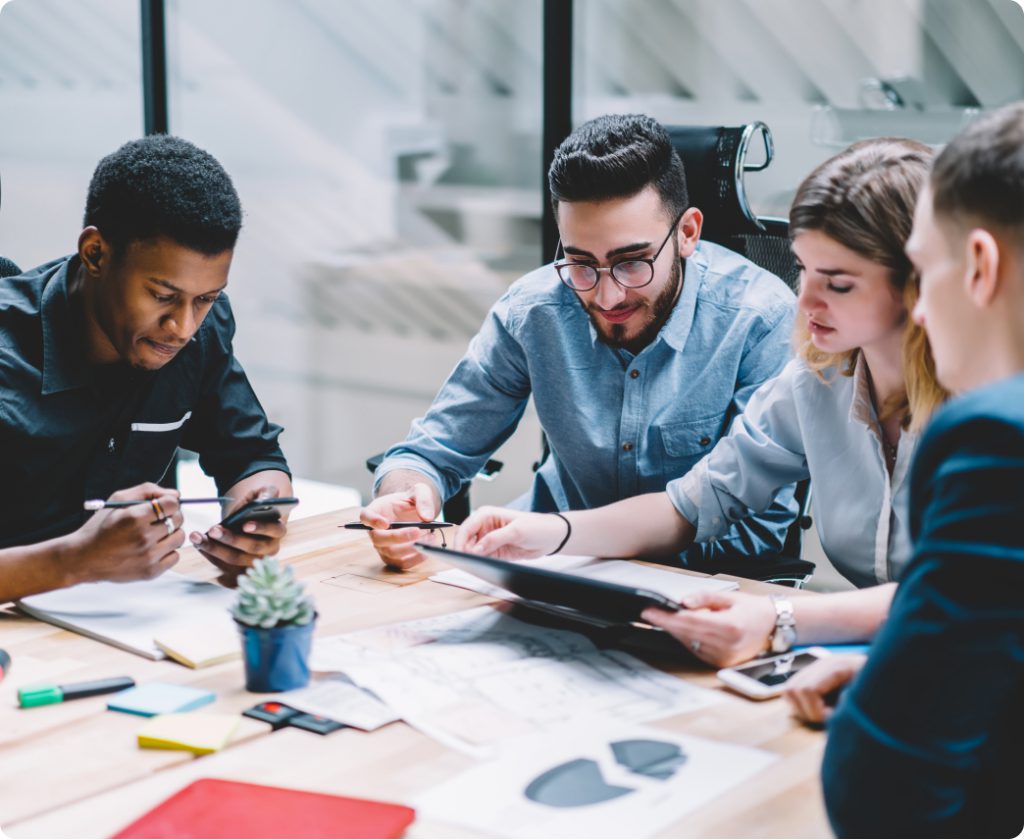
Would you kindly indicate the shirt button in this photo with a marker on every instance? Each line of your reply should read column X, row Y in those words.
column 111, row 446
column 633, row 374
column 704, row 441
column 627, row 447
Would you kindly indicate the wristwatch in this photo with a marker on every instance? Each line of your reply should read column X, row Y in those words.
column 784, row 634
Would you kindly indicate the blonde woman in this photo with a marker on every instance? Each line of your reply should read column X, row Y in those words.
column 845, row 412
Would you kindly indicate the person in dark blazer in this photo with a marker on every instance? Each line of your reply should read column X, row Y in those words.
column 925, row 741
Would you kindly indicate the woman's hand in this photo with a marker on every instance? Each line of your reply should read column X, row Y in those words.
column 510, row 534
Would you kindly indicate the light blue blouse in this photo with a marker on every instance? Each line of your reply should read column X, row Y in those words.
column 797, row 426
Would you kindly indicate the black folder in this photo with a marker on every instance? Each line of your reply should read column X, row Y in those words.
column 564, row 592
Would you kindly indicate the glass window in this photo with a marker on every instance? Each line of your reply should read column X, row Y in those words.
column 820, row 73
column 387, row 153
column 70, row 93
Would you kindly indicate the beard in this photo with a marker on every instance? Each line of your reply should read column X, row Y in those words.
column 657, row 313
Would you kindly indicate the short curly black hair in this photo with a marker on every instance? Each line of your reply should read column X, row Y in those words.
column 164, row 186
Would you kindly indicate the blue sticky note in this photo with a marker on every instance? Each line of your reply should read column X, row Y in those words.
column 159, row 699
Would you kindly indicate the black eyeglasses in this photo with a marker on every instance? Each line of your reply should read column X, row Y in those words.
column 634, row 273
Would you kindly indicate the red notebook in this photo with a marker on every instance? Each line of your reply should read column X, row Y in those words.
column 219, row 808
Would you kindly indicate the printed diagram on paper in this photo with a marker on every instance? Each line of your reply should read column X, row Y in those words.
column 475, row 678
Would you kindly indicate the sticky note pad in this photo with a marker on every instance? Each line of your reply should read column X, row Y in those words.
column 198, row 733
column 159, row 699
column 201, row 645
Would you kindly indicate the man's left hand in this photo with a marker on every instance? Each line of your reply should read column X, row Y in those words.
column 234, row 551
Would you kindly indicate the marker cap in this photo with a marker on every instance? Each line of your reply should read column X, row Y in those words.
column 39, row 695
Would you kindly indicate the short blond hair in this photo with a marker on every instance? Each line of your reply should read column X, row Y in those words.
column 864, row 199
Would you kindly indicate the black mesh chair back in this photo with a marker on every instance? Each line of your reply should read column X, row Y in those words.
column 8, row 268
column 715, row 160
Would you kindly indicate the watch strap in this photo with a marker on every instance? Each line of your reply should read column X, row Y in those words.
column 784, row 635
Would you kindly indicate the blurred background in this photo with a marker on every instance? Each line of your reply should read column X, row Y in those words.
column 390, row 153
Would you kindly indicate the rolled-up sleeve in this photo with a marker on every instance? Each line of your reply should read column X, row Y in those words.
column 475, row 412
column 762, row 453
column 229, row 428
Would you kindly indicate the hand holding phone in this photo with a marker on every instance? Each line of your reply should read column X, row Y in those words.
column 815, row 692
column 764, row 678
column 258, row 510
column 255, row 529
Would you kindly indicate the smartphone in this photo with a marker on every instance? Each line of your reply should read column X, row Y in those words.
column 764, row 678
column 259, row 510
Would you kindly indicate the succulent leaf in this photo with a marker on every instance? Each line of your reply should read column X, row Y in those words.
column 269, row 596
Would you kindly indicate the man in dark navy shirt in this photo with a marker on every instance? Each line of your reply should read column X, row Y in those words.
column 926, row 742
column 112, row 358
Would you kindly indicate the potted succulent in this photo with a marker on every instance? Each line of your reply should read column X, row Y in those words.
column 275, row 617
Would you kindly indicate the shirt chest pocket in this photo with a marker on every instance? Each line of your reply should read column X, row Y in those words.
column 686, row 442
column 150, row 448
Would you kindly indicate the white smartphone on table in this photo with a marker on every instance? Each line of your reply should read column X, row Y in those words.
column 764, row 678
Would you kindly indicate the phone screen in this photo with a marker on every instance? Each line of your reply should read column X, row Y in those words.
column 778, row 670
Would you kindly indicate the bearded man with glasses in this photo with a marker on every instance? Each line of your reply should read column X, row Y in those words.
column 639, row 345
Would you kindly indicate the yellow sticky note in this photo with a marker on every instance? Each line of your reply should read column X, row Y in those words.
column 197, row 733
column 202, row 645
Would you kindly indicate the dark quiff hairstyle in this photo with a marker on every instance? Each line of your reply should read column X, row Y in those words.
column 164, row 186
column 616, row 156
column 979, row 176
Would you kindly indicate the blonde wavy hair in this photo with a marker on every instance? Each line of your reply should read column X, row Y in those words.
column 864, row 198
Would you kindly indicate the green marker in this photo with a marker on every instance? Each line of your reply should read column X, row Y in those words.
column 44, row 695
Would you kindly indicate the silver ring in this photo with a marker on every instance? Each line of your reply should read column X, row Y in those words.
column 695, row 645
column 171, row 527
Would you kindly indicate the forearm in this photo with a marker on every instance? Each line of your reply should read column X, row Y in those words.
column 29, row 570
column 403, row 481
column 842, row 616
column 641, row 526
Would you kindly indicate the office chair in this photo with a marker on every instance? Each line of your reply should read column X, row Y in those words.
column 715, row 161
column 8, row 268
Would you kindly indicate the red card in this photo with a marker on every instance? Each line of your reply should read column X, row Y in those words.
column 218, row 808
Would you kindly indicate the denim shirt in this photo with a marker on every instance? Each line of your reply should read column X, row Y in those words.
column 618, row 425
column 798, row 426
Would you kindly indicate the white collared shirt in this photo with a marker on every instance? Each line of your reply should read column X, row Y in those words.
column 797, row 426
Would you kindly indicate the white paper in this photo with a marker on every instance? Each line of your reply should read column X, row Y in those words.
column 484, row 677
column 335, row 697
column 131, row 615
column 591, row 780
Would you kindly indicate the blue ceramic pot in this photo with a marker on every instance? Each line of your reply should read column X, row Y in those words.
column 276, row 659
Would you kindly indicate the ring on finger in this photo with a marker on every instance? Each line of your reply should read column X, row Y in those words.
column 695, row 645
column 159, row 511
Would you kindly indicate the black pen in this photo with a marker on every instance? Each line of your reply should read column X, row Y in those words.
column 427, row 526
column 100, row 504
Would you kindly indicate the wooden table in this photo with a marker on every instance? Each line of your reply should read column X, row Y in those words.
column 74, row 770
